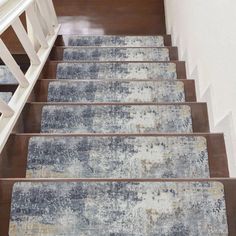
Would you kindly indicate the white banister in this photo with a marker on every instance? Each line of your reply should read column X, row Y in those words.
column 37, row 41
column 26, row 43
column 12, row 65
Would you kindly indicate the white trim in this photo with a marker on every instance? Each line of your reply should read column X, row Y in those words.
column 21, row 94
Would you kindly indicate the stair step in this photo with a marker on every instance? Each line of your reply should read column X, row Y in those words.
column 5, row 96
column 118, row 208
column 116, row 54
column 6, row 77
column 116, row 91
column 117, row 41
column 115, row 118
column 122, row 70
column 117, row 157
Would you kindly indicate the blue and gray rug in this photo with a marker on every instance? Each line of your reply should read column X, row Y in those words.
column 116, row 91
column 6, row 77
column 116, row 119
column 119, row 70
column 118, row 208
column 116, row 54
column 116, row 41
column 5, row 96
column 117, row 157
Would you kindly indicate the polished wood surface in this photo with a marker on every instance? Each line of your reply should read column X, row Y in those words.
column 6, row 191
column 118, row 17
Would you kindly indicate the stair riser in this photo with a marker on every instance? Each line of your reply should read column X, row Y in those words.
column 170, row 53
column 14, row 161
column 50, row 71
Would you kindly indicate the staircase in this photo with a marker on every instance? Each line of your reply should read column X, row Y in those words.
column 113, row 142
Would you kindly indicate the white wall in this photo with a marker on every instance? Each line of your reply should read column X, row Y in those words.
column 205, row 32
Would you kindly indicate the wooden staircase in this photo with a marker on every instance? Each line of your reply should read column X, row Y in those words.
column 113, row 142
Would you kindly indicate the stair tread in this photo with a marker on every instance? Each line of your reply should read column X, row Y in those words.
column 116, row 54
column 121, row 70
column 106, row 40
column 116, row 91
column 101, row 208
column 6, row 77
column 117, row 157
column 114, row 118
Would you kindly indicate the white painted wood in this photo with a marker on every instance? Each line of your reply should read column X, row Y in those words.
column 37, row 29
column 31, row 35
column 37, row 35
column 44, row 11
column 22, row 94
column 52, row 12
column 5, row 109
column 25, row 41
column 12, row 65
column 11, row 10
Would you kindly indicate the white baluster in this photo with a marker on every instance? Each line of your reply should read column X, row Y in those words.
column 12, row 65
column 25, row 41
column 31, row 14
column 45, row 12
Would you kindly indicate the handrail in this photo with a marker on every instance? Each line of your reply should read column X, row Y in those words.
column 38, row 40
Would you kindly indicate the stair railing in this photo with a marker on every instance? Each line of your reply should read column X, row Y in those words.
column 37, row 41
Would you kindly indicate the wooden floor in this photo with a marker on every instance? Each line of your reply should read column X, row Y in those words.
column 98, row 17
column 121, row 17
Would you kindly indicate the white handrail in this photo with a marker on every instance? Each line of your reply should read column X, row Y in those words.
column 37, row 33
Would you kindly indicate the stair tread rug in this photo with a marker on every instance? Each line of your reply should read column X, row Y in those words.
column 116, row 91
column 116, row 54
column 117, row 41
column 116, row 118
column 118, row 208
column 118, row 70
column 117, row 157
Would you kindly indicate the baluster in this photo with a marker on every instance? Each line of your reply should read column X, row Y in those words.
column 25, row 41
column 37, row 29
column 12, row 65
